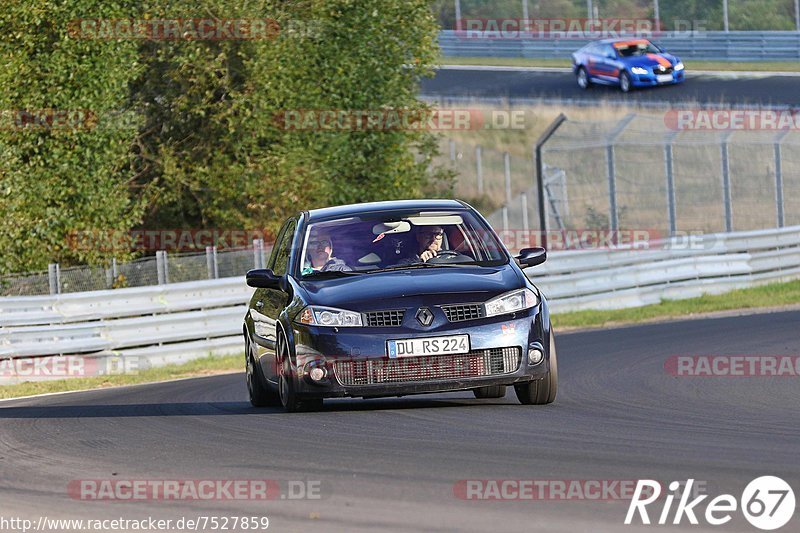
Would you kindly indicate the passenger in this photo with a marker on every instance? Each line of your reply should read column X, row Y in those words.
column 319, row 255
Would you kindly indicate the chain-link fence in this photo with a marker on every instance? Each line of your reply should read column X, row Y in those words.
column 155, row 270
column 667, row 174
column 641, row 172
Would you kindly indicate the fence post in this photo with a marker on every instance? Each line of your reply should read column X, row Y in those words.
column 54, row 277
column 779, row 178
column 525, row 222
column 726, row 182
column 111, row 273
column 551, row 129
column 458, row 14
column 161, row 267
column 257, row 253
column 507, row 173
column 211, row 262
column 668, row 161
column 479, row 169
column 611, row 170
column 505, row 220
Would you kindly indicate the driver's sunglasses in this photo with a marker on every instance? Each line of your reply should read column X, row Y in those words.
column 325, row 243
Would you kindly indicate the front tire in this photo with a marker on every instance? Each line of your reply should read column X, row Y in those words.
column 625, row 82
column 286, row 388
column 494, row 391
column 261, row 395
column 541, row 391
column 583, row 79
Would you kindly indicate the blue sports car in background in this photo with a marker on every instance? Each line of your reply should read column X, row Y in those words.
column 627, row 63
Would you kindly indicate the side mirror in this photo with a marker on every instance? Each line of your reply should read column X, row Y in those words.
column 263, row 278
column 531, row 256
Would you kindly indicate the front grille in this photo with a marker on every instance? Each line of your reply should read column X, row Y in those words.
column 382, row 319
column 494, row 361
column 657, row 71
column 460, row 313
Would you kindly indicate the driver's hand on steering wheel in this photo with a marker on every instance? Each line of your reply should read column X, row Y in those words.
column 427, row 254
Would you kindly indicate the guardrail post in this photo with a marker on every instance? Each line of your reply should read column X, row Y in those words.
column 161, row 267
column 479, row 169
column 539, row 163
column 211, row 262
column 779, row 179
column 726, row 182
column 54, row 278
column 507, row 173
column 668, row 161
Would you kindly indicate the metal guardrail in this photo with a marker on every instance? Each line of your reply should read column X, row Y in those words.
column 712, row 264
column 178, row 322
column 709, row 45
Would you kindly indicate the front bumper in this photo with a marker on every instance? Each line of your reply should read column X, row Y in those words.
column 650, row 79
column 325, row 346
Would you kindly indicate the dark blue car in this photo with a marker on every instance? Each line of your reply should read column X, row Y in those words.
column 391, row 299
column 626, row 63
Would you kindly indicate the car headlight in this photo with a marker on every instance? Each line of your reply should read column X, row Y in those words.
column 511, row 302
column 639, row 70
column 328, row 316
column 680, row 66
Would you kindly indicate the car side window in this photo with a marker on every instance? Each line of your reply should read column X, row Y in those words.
column 283, row 249
column 608, row 51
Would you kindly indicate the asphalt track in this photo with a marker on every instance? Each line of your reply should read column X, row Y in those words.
column 705, row 89
column 391, row 464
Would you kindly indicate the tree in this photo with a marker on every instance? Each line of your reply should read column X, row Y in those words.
column 64, row 153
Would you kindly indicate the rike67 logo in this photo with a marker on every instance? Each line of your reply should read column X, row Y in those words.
column 767, row 502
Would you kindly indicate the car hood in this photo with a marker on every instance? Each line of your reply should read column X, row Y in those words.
column 386, row 290
column 650, row 60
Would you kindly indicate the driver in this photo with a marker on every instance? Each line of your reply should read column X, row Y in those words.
column 320, row 257
column 429, row 243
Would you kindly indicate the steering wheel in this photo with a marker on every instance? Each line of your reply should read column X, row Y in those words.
column 449, row 256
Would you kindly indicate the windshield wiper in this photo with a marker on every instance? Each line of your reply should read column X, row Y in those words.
column 330, row 274
column 412, row 265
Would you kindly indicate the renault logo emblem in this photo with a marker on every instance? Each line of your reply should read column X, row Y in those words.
column 425, row 316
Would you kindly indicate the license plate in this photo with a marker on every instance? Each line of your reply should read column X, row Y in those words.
column 664, row 78
column 449, row 345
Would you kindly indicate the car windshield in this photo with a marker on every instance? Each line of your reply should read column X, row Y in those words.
column 397, row 241
column 636, row 48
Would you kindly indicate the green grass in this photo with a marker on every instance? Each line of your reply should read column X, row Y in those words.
column 198, row 367
column 754, row 66
column 765, row 296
